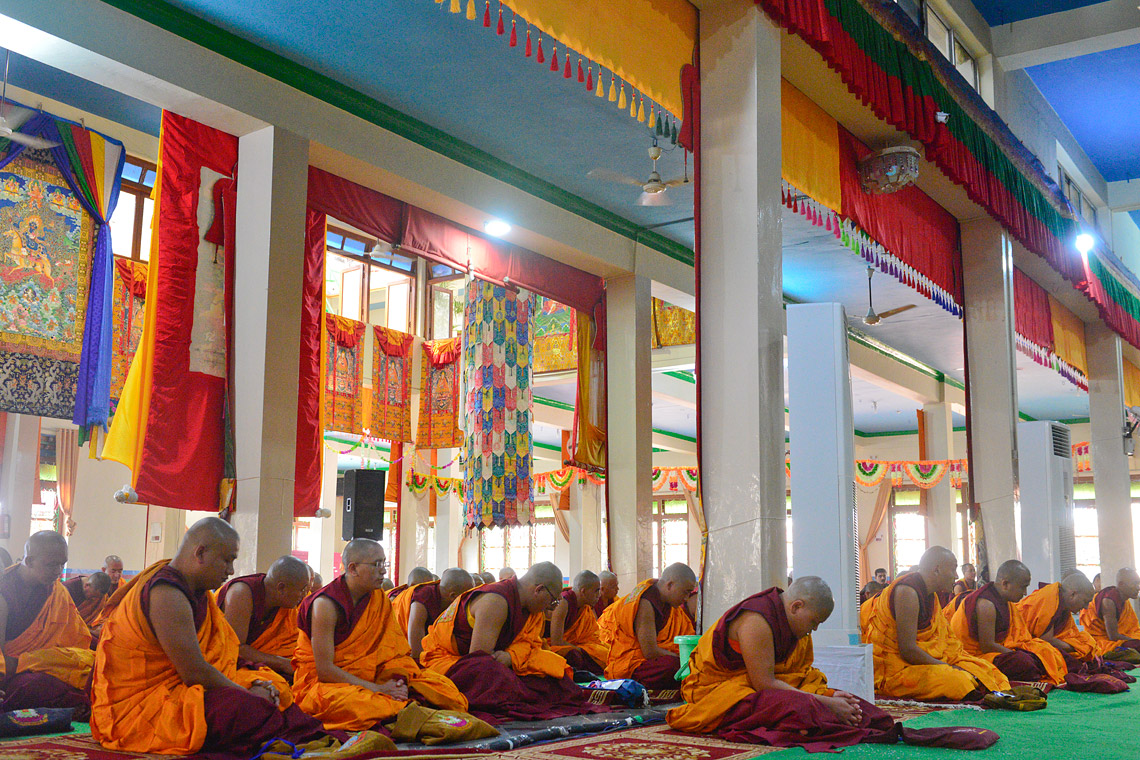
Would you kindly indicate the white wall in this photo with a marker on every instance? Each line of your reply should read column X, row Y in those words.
column 102, row 525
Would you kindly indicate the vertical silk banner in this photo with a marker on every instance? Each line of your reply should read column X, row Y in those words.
column 310, row 375
column 391, row 417
column 498, row 488
column 169, row 427
column 127, row 308
column 344, row 374
column 590, row 409
column 438, row 423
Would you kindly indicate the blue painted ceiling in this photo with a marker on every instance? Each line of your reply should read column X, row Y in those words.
column 997, row 12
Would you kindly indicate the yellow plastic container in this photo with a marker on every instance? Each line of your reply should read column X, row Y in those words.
column 687, row 645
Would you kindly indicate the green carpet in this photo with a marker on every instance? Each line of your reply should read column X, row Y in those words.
column 1073, row 726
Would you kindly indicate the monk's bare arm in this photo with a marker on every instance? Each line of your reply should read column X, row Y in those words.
column 1056, row 642
column 239, row 610
column 906, row 626
column 490, row 613
column 987, row 627
column 173, row 623
column 558, row 624
column 417, row 628
column 959, row 587
column 645, row 626
column 9, row 662
column 1108, row 607
column 325, row 614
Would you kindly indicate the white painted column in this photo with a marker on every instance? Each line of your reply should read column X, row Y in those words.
column 1106, row 448
column 742, row 318
column 630, row 427
column 331, row 542
column 940, row 506
column 414, row 520
column 272, row 187
column 18, row 480
column 991, row 388
column 448, row 521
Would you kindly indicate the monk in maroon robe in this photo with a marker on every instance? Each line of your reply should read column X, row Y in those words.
column 262, row 609
column 89, row 592
column 608, row 583
column 418, row 607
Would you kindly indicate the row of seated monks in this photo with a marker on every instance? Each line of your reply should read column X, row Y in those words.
column 178, row 669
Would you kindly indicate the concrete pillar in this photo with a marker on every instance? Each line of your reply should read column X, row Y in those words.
column 742, row 317
column 1106, row 448
column 940, row 506
column 331, row 543
column 274, row 168
column 414, row 520
column 630, row 427
column 448, row 520
column 18, row 480
column 991, row 384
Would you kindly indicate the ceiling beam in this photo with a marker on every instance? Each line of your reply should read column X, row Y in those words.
column 1068, row 34
column 674, row 390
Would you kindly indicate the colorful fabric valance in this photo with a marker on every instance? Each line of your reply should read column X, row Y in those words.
column 809, row 153
column 672, row 325
column 1034, row 332
column 1131, row 384
column 391, row 417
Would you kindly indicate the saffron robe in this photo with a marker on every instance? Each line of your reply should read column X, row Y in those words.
column 1033, row 659
column 626, row 658
column 895, row 677
column 1092, row 620
column 426, row 594
column 370, row 646
column 50, row 643
column 272, row 631
column 537, row 686
column 1042, row 613
column 141, row 704
column 88, row 609
column 581, row 632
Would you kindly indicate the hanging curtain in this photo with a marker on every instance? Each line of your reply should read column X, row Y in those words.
column 437, row 426
column 1131, row 384
column 391, row 417
column 344, row 375
column 590, row 406
column 498, row 488
column 672, row 325
column 882, row 504
column 309, row 457
column 1033, row 321
column 809, row 152
column 555, row 345
column 1069, row 337
column 66, row 464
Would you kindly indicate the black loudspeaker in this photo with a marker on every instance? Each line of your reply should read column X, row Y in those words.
column 363, row 504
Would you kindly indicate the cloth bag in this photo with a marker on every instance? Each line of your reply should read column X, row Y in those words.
column 418, row 723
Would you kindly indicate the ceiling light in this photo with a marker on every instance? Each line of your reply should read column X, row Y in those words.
column 1084, row 243
column 496, row 227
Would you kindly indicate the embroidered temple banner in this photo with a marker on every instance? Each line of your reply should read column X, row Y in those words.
column 391, row 417
column 554, row 346
column 498, row 487
column 127, row 306
column 46, row 252
column 672, row 325
column 438, row 423
column 344, row 373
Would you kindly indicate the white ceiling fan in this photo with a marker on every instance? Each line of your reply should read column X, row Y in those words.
column 12, row 117
column 871, row 319
column 652, row 189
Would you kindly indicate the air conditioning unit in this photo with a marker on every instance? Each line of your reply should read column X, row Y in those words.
column 1045, row 475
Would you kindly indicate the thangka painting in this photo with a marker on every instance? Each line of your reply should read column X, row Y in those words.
column 128, row 302
column 672, row 325
column 391, row 385
column 555, row 349
column 498, row 488
column 46, row 248
column 438, row 423
column 344, row 371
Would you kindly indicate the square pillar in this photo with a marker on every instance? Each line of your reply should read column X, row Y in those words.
column 991, row 386
column 1111, row 477
column 18, row 479
column 272, row 189
column 741, row 302
column 940, row 506
column 629, row 406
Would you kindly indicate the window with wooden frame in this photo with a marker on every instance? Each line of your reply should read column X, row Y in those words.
column 519, row 546
column 367, row 281
column 134, row 210
column 1082, row 204
column 943, row 36
column 670, row 532
column 908, row 531
column 445, row 294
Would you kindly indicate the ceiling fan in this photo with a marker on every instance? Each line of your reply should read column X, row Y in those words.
column 12, row 117
column 653, row 189
column 872, row 319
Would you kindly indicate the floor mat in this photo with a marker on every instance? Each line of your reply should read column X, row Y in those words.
column 656, row 742
column 74, row 746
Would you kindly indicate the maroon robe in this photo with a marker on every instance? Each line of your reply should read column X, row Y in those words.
column 428, row 595
column 576, row 657
column 600, row 606
column 1017, row 665
column 927, row 601
column 396, row 592
column 1113, row 593
column 336, row 591
column 25, row 691
column 238, row 723
column 658, row 673
column 259, row 617
column 785, row 718
column 494, row 691
column 75, row 588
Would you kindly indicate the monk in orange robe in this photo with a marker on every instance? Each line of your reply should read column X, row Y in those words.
column 646, row 622
column 990, row 626
column 969, row 580
column 354, row 668
column 1049, row 611
column 574, row 631
column 89, row 592
column 418, row 607
column 489, row 642
column 262, row 610
column 916, row 654
column 166, row 668
column 113, row 567
column 46, row 646
column 1111, row 620
column 609, row 592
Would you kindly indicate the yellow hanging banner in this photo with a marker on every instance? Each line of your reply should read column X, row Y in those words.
column 809, row 158
column 1068, row 337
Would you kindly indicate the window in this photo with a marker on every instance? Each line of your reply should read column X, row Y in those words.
column 943, row 37
column 366, row 281
column 908, row 538
column 913, row 9
column 670, row 532
column 446, row 305
column 519, row 546
column 1087, row 542
column 1081, row 202
column 130, row 223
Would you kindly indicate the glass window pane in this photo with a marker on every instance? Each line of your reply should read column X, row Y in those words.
column 679, row 507
column 910, row 539
column 519, row 542
column 354, row 246
column 544, row 511
column 441, row 313
column 123, row 224
column 144, row 238
column 131, row 173
column 148, row 179
column 543, row 548
column 333, row 240
column 965, row 64
column 399, row 300
column 937, row 32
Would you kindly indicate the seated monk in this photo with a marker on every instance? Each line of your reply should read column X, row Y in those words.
column 1048, row 613
column 417, row 576
column 990, row 625
column 354, row 668
column 46, row 645
column 476, row 580
column 968, row 581
column 488, row 577
column 262, row 609
column 608, row 583
column 113, row 567
column 507, row 572
column 574, row 632
column 916, row 655
column 89, row 592
column 646, row 622
column 166, row 668
column 1110, row 618
column 317, row 582
column 489, row 642
column 419, row 606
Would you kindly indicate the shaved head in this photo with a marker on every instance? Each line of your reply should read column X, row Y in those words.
column 1012, row 570
column 100, row 583
column 586, row 579
column 1076, row 592
column 939, row 569
column 1076, row 581
column 935, row 556
column 678, row 572
column 544, row 573
column 507, row 572
column 361, row 550
column 609, row 585
column 45, row 554
column 419, row 575
column 209, row 531
column 1128, row 582
column 42, row 541
column 288, row 569
column 206, row 554
column 387, row 584
column 487, row 576
column 676, row 584
column 814, row 592
column 453, row 582
column 476, row 579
